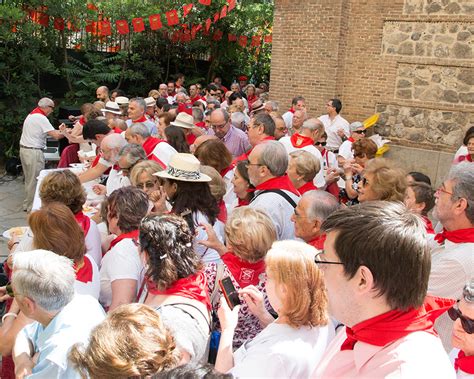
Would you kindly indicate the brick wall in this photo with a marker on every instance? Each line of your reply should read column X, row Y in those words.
column 410, row 60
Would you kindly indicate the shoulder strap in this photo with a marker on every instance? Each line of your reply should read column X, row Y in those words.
column 279, row 192
column 188, row 313
column 215, row 290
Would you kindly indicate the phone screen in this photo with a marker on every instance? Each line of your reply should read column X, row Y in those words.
column 230, row 293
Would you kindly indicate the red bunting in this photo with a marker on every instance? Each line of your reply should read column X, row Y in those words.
column 232, row 37
column 187, row 9
column 122, row 26
column 268, row 39
column 208, row 24
column 172, row 17
column 205, row 2
column 194, row 30
column 217, row 35
column 106, row 28
column 92, row 7
column 138, row 25
column 223, row 12
column 90, row 26
column 256, row 41
column 155, row 22
column 243, row 41
column 40, row 18
column 58, row 23
column 231, row 5
column 176, row 36
column 216, row 17
column 186, row 36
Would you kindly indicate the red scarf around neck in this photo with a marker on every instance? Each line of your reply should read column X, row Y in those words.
column 245, row 156
column 227, row 169
column 141, row 119
column 242, row 202
column 464, row 363
column 299, row 141
column 456, row 236
column 279, row 182
column 309, row 186
column 85, row 273
column 318, row 242
column 83, row 221
column 428, row 225
column 132, row 235
column 245, row 273
column 393, row 325
column 351, row 139
column 291, row 110
column 38, row 110
column 465, row 158
column 193, row 287
column 149, row 146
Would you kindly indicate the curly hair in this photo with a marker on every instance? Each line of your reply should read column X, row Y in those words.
column 63, row 187
column 131, row 342
column 214, row 153
column 129, row 205
column 168, row 242
column 389, row 181
column 364, row 147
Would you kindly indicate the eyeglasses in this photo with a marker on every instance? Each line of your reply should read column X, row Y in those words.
column 441, row 189
column 146, row 185
column 320, row 143
column 467, row 323
column 253, row 164
column 365, row 182
column 319, row 260
column 359, row 131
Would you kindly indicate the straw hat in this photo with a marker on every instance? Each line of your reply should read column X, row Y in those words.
column 257, row 106
column 121, row 100
column 150, row 101
column 184, row 120
column 112, row 107
column 184, row 167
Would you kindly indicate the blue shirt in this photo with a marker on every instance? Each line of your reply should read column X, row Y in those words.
column 71, row 325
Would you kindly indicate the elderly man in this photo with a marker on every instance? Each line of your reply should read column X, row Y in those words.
column 111, row 111
column 310, row 132
column 280, row 127
column 275, row 194
column 102, row 94
column 36, row 128
column 43, row 284
column 194, row 94
column 163, row 90
column 150, row 109
column 235, row 139
column 298, row 103
column 453, row 255
column 136, row 114
column 155, row 149
column 336, row 127
column 376, row 264
column 312, row 210
column 271, row 106
column 299, row 117
column 345, row 150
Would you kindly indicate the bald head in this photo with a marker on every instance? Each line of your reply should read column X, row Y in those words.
column 102, row 93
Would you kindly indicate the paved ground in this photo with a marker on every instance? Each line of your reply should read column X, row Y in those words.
column 11, row 212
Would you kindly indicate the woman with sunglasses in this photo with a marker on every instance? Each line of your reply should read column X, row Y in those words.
column 142, row 177
column 345, row 150
column 462, row 338
column 330, row 167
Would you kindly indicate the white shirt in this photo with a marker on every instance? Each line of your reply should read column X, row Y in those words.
column 91, row 287
column 280, row 351
column 93, row 244
column 121, row 262
column 116, row 180
column 207, row 255
column 331, row 127
column 345, row 150
column 35, row 129
column 163, row 152
column 230, row 198
column 288, row 118
column 319, row 180
column 452, row 266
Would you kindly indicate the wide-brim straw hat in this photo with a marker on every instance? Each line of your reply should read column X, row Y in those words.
column 150, row 101
column 257, row 106
column 112, row 107
column 184, row 120
column 122, row 100
column 184, row 167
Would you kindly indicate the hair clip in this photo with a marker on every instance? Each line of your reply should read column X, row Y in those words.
column 163, row 256
column 188, row 244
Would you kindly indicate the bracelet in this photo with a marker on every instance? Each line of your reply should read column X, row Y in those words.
column 8, row 315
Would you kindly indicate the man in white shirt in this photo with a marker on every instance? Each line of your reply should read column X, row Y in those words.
column 345, row 150
column 136, row 114
column 43, row 284
column 337, row 128
column 453, row 256
column 298, row 103
column 36, row 128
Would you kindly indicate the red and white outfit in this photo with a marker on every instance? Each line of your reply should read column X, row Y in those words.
column 288, row 118
column 345, row 150
column 452, row 266
column 116, row 180
column 331, row 127
column 392, row 345
column 92, row 237
column 158, row 150
column 463, row 158
column 464, row 365
column 318, row 242
column 309, row 186
column 87, row 278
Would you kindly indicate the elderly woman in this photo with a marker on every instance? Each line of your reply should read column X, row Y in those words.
column 364, row 150
column 382, row 180
column 131, row 342
column 302, row 169
column 142, row 177
column 243, row 189
column 121, row 274
column 293, row 344
column 188, row 191
column 251, row 95
column 249, row 235
column 463, row 148
column 462, row 339
column 176, row 286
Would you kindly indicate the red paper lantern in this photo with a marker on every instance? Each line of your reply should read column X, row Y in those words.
column 232, row 37
column 205, row 2
column 172, row 17
column 138, row 25
column 106, row 28
column 231, row 5
column 217, row 35
column 243, row 41
column 208, row 24
column 187, row 9
column 58, row 23
column 216, row 17
column 122, row 26
column 155, row 22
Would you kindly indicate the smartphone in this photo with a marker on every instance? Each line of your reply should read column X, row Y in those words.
column 230, row 293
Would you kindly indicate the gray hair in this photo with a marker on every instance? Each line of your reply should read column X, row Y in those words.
column 140, row 129
column 45, row 102
column 45, row 277
column 275, row 157
column 140, row 101
column 133, row 153
column 223, row 111
column 274, row 105
column 313, row 124
column 462, row 176
column 322, row 204
column 217, row 104
column 468, row 291
column 198, row 114
column 239, row 119
column 183, row 91
column 114, row 141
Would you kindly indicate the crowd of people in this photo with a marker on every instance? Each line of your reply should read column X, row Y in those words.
column 339, row 262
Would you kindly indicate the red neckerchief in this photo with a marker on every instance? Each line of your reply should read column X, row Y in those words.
column 141, row 119
column 318, row 242
column 186, row 108
column 428, row 225
column 309, row 186
column 465, row 158
column 85, row 273
column 82, row 120
column 291, row 110
column 280, row 182
column 393, row 325
column 190, row 138
column 193, row 287
column 83, row 221
column 464, row 363
column 132, row 235
column 242, row 202
column 227, row 169
column 149, row 146
column 456, row 236
column 117, row 130
column 299, row 141
column 245, row 156
column 196, row 98
column 96, row 160
column 252, row 99
column 201, row 124
column 222, row 216
column 38, row 110
column 245, row 273
column 351, row 139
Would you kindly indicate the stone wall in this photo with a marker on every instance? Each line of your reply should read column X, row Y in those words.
column 442, row 7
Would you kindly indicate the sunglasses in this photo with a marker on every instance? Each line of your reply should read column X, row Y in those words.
column 467, row 323
column 320, row 143
column 359, row 131
column 364, row 182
